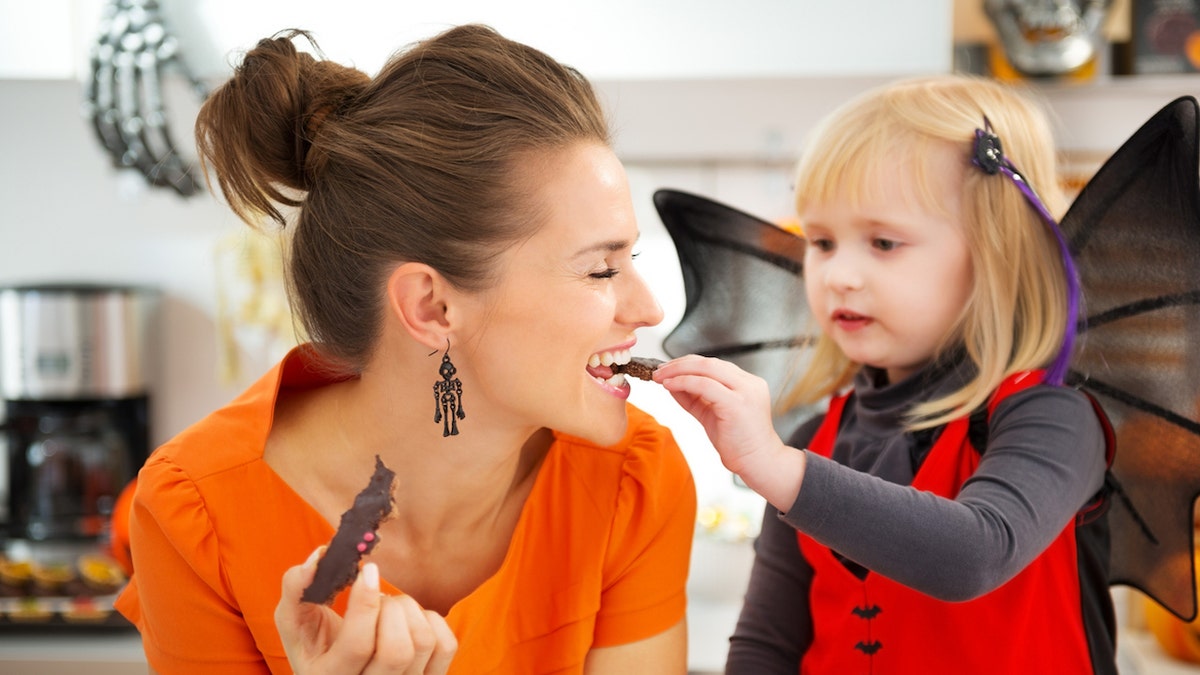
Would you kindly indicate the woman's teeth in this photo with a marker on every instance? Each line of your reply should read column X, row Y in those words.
column 607, row 359
column 617, row 380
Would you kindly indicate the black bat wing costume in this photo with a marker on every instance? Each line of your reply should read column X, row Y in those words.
column 1134, row 232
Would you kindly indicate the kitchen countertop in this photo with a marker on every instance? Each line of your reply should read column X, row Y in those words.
column 31, row 652
column 63, row 652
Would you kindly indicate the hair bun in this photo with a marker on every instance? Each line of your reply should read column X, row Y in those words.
column 258, row 130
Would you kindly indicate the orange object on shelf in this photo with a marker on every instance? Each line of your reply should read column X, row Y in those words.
column 1179, row 639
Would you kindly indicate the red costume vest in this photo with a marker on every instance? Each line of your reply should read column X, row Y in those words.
column 875, row 626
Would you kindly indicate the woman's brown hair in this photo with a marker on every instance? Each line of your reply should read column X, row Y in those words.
column 415, row 164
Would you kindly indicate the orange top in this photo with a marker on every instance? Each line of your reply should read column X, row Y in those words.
column 599, row 556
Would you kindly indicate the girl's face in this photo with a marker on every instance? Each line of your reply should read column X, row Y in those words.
column 566, row 294
column 887, row 279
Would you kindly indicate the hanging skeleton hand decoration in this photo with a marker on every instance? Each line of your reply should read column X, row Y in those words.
column 1048, row 37
column 124, row 94
column 447, row 397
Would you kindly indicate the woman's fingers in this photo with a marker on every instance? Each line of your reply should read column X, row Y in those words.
column 305, row 629
column 355, row 642
column 378, row 634
column 397, row 639
column 295, row 580
column 446, row 644
column 411, row 640
column 421, row 635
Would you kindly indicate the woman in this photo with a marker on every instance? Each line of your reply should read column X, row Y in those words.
column 462, row 229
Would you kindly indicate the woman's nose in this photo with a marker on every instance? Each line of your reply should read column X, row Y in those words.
column 639, row 306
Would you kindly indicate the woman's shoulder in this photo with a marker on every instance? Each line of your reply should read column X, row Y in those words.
column 226, row 438
column 231, row 435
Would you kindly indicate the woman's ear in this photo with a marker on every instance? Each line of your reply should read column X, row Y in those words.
column 417, row 299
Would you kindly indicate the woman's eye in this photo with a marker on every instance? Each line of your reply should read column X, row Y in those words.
column 607, row 273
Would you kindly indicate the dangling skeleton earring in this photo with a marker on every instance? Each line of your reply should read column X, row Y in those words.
column 447, row 397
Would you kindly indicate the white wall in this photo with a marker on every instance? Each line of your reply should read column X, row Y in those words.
column 613, row 39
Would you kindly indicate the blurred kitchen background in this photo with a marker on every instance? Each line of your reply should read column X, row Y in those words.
column 706, row 96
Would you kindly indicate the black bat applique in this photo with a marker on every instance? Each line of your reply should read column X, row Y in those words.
column 866, row 612
column 1134, row 232
column 869, row 648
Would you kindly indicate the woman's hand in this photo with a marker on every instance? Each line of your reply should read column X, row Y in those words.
column 734, row 407
column 379, row 633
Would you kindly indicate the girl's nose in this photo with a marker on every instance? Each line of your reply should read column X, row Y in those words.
column 843, row 273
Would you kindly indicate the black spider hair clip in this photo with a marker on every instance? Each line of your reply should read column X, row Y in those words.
column 989, row 153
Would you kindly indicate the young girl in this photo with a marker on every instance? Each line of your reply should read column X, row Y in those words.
column 927, row 522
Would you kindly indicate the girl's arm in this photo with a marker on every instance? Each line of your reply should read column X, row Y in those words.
column 734, row 407
column 1045, row 458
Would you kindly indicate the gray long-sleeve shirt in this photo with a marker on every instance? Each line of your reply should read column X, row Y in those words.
column 1045, row 458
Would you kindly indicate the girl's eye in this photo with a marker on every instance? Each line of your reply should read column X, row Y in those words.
column 885, row 244
column 822, row 245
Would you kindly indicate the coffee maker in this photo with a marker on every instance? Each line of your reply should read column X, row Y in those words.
column 75, row 376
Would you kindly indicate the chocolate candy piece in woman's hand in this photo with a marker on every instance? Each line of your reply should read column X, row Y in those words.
column 355, row 537
column 641, row 367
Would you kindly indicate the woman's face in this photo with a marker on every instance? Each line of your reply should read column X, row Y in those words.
column 565, row 295
column 887, row 278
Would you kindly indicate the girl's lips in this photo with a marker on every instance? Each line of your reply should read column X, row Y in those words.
column 849, row 320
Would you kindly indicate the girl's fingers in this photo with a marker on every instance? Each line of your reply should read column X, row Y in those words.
column 693, row 364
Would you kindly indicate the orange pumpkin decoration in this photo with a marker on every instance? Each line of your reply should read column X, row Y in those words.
column 1178, row 639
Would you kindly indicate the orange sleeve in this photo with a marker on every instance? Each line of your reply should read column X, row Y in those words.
column 119, row 542
column 645, row 572
column 177, row 597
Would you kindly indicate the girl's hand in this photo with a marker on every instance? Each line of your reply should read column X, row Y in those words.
column 379, row 633
column 734, row 407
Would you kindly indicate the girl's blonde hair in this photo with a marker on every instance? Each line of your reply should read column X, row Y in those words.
column 1017, row 311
